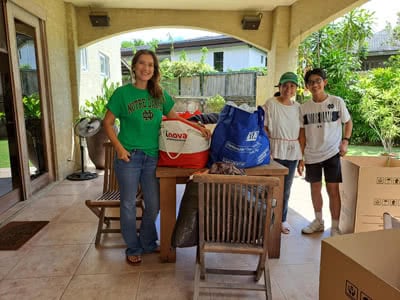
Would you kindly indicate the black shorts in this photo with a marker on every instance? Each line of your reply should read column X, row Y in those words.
column 332, row 170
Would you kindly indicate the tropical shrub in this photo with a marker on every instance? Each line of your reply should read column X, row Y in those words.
column 338, row 48
column 32, row 108
column 380, row 104
column 96, row 108
column 215, row 104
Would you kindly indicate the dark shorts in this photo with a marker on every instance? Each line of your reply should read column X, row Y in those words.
column 332, row 170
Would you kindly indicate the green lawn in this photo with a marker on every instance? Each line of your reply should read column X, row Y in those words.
column 4, row 157
column 355, row 150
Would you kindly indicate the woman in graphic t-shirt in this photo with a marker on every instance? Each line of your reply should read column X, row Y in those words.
column 139, row 106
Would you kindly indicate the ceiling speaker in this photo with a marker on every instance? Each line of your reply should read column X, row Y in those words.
column 99, row 20
column 251, row 22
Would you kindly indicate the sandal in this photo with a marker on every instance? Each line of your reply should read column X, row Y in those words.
column 134, row 259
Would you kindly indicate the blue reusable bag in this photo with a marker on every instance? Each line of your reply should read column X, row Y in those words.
column 239, row 138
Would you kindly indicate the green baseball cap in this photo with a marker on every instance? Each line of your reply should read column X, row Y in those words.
column 288, row 77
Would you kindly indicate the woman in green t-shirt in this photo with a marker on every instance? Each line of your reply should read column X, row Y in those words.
column 139, row 106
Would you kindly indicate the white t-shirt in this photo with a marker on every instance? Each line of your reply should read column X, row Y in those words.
column 322, row 122
column 283, row 123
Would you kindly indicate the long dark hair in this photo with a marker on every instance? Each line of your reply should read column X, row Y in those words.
column 153, row 85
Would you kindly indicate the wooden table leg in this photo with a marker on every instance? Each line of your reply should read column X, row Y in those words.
column 167, row 218
column 274, row 247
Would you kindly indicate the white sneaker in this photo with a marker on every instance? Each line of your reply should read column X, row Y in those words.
column 314, row 226
column 335, row 231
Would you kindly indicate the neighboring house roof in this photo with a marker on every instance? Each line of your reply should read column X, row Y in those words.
column 205, row 41
column 381, row 43
column 164, row 48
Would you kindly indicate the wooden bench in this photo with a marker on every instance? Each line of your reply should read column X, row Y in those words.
column 110, row 198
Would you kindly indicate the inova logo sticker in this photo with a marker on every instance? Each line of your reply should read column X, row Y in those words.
column 176, row 135
column 252, row 136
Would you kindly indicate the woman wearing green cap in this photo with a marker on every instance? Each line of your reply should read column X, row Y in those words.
column 283, row 126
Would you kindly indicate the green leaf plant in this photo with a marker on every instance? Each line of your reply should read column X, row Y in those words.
column 380, row 104
column 32, row 108
column 96, row 108
column 215, row 104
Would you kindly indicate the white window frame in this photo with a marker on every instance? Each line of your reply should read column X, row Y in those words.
column 84, row 61
column 104, row 65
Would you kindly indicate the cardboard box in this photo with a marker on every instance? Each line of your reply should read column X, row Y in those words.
column 371, row 186
column 361, row 266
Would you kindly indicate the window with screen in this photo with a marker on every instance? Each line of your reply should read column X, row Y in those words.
column 104, row 65
column 84, row 62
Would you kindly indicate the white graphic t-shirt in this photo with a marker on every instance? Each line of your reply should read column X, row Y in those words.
column 322, row 122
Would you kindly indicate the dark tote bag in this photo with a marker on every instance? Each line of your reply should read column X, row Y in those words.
column 239, row 138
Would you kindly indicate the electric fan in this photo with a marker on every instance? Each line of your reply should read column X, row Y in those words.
column 84, row 128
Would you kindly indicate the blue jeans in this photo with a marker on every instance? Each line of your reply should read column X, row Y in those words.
column 140, row 169
column 291, row 165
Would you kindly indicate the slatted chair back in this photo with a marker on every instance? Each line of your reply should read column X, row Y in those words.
column 110, row 183
column 235, row 215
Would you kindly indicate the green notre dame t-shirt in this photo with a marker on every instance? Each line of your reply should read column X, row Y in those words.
column 140, row 117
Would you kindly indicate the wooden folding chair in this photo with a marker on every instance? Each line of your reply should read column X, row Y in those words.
column 110, row 198
column 390, row 222
column 235, row 215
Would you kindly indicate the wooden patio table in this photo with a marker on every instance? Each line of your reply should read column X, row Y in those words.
column 170, row 177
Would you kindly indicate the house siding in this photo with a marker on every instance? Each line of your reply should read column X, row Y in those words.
column 91, row 80
column 235, row 57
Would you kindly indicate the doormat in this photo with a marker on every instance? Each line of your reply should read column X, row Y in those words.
column 15, row 234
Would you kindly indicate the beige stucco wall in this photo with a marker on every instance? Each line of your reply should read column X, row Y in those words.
column 262, row 92
column 126, row 20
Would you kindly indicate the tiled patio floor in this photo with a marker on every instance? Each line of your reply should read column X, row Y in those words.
column 61, row 261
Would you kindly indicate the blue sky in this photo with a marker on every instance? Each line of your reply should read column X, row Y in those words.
column 385, row 10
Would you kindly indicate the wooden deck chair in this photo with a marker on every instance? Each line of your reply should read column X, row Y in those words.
column 235, row 215
column 110, row 198
column 390, row 222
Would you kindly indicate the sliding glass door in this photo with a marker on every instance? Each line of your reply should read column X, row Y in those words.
column 10, row 179
column 25, row 152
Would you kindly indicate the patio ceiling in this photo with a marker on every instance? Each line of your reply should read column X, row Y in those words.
column 233, row 5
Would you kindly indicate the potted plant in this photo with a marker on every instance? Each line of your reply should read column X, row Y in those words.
column 96, row 109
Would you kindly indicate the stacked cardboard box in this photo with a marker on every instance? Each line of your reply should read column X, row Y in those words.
column 371, row 186
column 361, row 266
